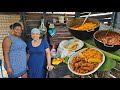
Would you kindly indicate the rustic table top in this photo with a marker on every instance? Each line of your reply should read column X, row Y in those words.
column 60, row 70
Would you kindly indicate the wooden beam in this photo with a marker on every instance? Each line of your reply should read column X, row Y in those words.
column 8, row 13
column 22, row 15
column 77, row 14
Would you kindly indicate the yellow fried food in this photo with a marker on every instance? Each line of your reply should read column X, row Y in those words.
column 86, row 60
column 92, row 53
column 86, row 26
column 57, row 61
column 94, row 60
column 73, row 46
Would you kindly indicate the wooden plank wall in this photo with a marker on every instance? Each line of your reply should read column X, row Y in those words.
column 33, row 20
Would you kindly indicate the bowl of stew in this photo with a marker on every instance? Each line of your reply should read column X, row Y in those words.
column 86, row 61
column 107, row 42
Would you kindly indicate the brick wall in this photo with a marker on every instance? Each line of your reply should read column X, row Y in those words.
column 5, row 21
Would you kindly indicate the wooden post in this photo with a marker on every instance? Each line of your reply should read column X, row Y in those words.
column 45, row 21
column 22, row 15
column 77, row 14
column 116, row 20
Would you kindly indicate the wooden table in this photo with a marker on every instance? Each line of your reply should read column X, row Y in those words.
column 110, row 62
column 60, row 71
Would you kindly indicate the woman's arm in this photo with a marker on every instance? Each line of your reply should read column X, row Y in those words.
column 49, row 66
column 6, row 47
column 48, row 56
column 6, row 44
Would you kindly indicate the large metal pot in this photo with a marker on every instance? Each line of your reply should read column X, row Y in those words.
column 82, row 34
column 104, row 46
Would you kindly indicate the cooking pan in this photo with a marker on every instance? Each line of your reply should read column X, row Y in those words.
column 82, row 34
column 106, row 46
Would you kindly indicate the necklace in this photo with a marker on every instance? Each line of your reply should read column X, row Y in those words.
column 36, row 43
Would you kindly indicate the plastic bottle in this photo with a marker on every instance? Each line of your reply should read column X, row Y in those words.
column 42, row 27
column 66, row 18
column 53, row 51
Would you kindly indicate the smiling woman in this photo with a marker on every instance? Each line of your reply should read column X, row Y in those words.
column 14, row 51
column 39, row 59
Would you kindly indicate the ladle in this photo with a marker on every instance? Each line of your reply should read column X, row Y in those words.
column 86, row 18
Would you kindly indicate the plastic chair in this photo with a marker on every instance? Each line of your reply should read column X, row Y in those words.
column 1, row 67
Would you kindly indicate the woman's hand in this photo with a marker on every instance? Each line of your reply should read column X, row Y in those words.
column 50, row 67
column 9, row 71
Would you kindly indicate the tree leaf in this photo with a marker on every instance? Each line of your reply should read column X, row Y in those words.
column 108, row 64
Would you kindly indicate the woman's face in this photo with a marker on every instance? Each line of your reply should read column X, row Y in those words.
column 17, row 31
column 35, row 36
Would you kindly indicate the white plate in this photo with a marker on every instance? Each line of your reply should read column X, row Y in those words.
column 68, row 42
column 74, row 55
column 80, row 44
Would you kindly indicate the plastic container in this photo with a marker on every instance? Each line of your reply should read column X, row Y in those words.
column 53, row 51
column 61, row 19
